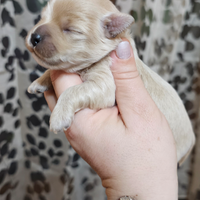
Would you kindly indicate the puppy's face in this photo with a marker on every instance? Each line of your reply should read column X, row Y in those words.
column 73, row 34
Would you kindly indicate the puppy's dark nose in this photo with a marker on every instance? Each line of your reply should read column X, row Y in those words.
column 35, row 39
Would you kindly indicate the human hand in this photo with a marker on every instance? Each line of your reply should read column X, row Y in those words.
column 130, row 145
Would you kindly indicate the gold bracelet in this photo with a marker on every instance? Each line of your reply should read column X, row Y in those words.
column 126, row 198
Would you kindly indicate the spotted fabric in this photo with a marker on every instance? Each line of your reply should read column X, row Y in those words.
column 36, row 164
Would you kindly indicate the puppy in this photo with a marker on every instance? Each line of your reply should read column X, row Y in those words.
column 77, row 36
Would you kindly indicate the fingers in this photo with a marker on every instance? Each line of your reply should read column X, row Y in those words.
column 61, row 81
column 131, row 95
column 51, row 99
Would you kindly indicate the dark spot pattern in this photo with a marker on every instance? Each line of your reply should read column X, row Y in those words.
column 13, row 168
column 47, row 162
column 12, row 154
column 42, row 145
column 57, row 143
column 31, row 139
column 27, row 164
column 43, row 132
column 34, row 151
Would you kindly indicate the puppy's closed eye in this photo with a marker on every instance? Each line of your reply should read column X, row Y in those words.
column 72, row 30
column 66, row 30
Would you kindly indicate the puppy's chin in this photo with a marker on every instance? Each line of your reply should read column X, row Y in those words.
column 61, row 63
column 48, row 63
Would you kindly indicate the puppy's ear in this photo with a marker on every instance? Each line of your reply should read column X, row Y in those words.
column 115, row 23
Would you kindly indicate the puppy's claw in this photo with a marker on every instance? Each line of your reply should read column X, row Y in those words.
column 35, row 88
column 38, row 91
column 65, row 128
column 29, row 91
column 59, row 127
column 54, row 130
column 59, row 122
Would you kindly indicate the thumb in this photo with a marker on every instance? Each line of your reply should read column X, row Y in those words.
column 131, row 95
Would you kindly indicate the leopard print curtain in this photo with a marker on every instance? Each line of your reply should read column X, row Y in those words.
column 36, row 164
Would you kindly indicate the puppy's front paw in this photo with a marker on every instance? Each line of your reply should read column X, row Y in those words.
column 36, row 87
column 61, row 119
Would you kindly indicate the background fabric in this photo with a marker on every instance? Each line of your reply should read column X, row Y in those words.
column 36, row 164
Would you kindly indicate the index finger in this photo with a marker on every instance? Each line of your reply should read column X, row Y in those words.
column 62, row 81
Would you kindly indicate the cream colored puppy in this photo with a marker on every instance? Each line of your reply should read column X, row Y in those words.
column 77, row 36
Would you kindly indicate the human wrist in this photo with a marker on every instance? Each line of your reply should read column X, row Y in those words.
column 165, row 190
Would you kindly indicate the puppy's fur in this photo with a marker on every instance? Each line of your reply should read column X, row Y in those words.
column 77, row 36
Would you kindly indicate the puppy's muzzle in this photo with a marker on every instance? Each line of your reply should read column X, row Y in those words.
column 42, row 42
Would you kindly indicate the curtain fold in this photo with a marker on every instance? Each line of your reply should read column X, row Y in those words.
column 37, row 164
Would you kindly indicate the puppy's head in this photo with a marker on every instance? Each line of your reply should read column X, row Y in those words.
column 73, row 34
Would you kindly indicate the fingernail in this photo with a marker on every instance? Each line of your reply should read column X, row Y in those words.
column 123, row 50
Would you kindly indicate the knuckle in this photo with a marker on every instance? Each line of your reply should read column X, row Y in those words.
column 126, row 72
column 71, row 136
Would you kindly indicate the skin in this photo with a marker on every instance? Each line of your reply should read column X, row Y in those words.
column 130, row 145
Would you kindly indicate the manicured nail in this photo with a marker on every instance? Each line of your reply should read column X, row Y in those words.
column 123, row 50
